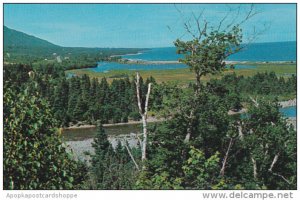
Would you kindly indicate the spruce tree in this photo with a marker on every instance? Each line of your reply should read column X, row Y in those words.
column 100, row 160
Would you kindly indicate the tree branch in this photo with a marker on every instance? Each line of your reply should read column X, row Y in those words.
column 222, row 171
column 273, row 162
column 256, row 104
column 130, row 154
column 223, row 19
column 279, row 175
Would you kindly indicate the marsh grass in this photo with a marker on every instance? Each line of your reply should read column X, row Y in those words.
column 184, row 76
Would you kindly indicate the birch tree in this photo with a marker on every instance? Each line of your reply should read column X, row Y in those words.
column 143, row 112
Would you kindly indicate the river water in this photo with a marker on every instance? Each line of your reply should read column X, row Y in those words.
column 290, row 111
column 105, row 67
column 85, row 133
column 80, row 141
column 115, row 131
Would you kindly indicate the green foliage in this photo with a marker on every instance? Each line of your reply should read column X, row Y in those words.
column 34, row 156
column 111, row 168
column 266, row 84
column 267, row 135
column 79, row 99
column 159, row 181
column 206, row 56
column 264, row 135
column 100, row 160
column 135, row 116
column 201, row 172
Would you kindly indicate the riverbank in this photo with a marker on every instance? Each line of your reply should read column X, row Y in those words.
column 86, row 126
column 284, row 104
column 289, row 103
column 79, row 147
column 292, row 121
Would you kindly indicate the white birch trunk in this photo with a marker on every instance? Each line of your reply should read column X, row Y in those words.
column 254, row 167
column 143, row 114
column 144, row 146
column 222, row 172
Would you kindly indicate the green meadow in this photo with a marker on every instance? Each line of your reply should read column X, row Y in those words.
column 184, row 76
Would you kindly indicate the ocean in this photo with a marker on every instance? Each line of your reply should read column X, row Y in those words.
column 275, row 51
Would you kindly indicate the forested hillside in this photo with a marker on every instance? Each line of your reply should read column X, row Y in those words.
column 23, row 48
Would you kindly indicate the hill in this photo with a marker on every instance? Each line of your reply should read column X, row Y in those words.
column 17, row 39
column 20, row 47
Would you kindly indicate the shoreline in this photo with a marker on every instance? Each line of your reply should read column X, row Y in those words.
column 284, row 104
column 288, row 103
column 87, row 126
column 228, row 62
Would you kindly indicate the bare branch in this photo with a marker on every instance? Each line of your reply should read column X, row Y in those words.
column 169, row 28
column 130, row 154
column 250, row 14
column 187, row 28
column 203, row 30
column 256, row 104
column 224, row 18
column 222, row 171
column 197, row 20
column 274, row 162
column 285, row 179
column 179, row 11
column 234, row 19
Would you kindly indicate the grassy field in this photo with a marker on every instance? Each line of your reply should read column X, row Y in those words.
column 184, row 76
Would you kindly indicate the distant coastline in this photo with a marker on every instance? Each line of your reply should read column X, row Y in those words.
column 254, row 52
column 228, row 62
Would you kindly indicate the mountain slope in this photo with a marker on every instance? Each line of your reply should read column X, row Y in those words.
column 20, row 47
column 13, row 38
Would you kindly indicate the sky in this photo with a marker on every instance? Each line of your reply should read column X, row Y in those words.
column 142, row 25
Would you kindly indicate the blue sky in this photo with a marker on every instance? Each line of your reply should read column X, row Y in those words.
column 138, row 25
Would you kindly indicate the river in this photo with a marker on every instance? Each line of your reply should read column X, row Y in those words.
column 80, row 140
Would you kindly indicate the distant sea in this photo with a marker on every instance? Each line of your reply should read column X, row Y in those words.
column 275, row 51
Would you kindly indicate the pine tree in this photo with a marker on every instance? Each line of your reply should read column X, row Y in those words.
column 100, row 160
column 74, row 93
column 60, row 103
column 80, row 109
